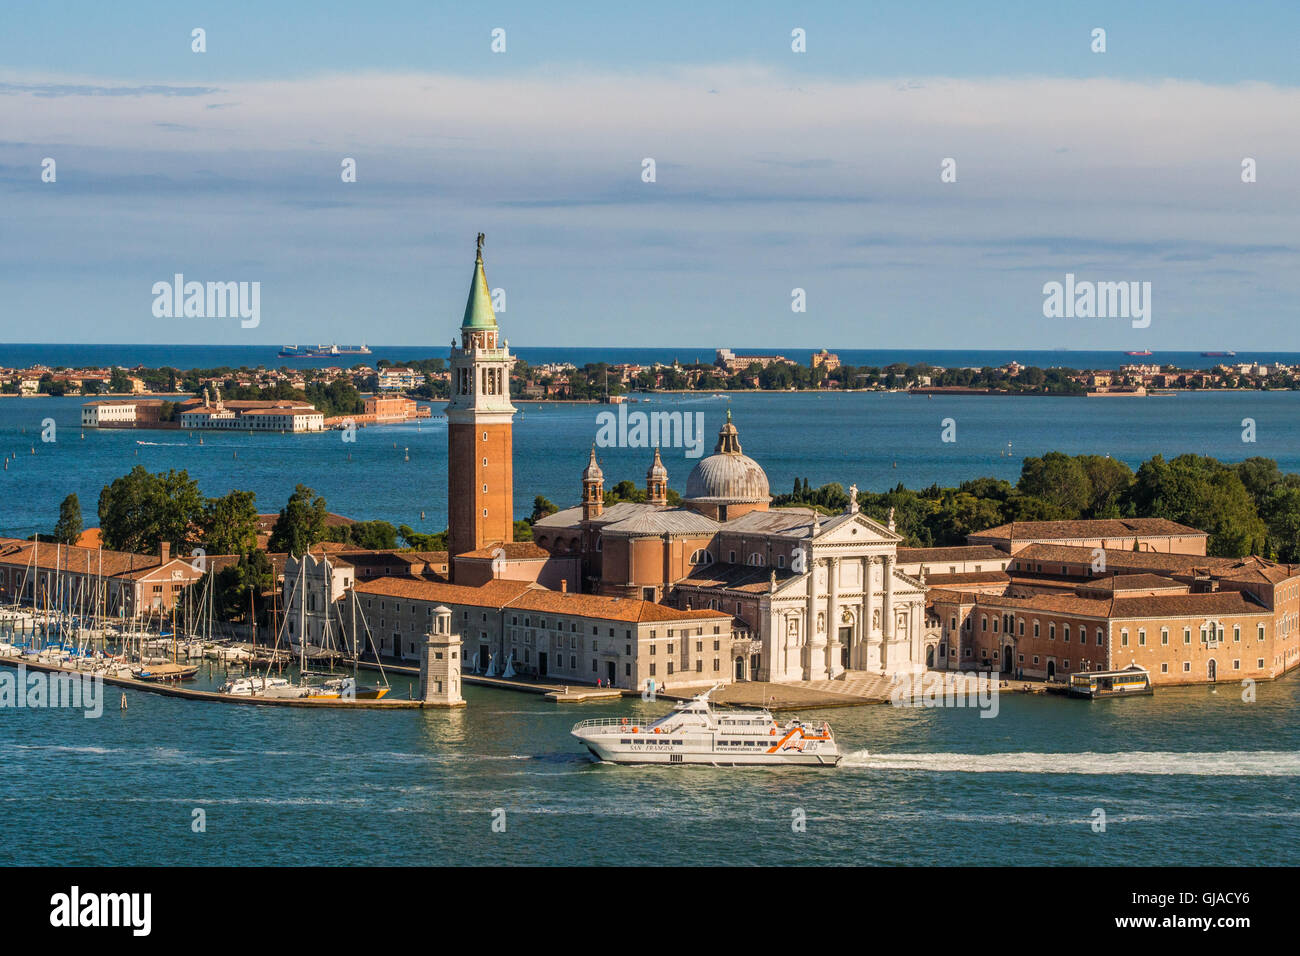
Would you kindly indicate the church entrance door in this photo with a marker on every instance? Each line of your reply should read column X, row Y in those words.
column 541, row 664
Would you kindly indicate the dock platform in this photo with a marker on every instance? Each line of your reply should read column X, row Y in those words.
column 185, row 693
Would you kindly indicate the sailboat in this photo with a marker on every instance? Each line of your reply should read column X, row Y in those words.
column 329, row 686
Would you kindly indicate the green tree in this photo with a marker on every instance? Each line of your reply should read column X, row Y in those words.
column 1058, row 480
column 375, row 535
column 301, row 523
column 68, row 528
column 230, row 523
column 241, row 586
column 140, row 510
column 423, row 542
column 1108, row 478
column 1281, row 512
column 541, row 508
column 1204, row 493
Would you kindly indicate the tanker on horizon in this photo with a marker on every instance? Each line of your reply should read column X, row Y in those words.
column 322, row 351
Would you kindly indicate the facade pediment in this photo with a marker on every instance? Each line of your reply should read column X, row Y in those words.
column 854, row 529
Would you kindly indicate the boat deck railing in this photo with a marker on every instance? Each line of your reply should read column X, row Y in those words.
column 616, row 722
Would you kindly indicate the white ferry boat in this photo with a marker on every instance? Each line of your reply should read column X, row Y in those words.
column 693, row 732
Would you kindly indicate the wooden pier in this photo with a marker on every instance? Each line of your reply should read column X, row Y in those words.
column 185, row 693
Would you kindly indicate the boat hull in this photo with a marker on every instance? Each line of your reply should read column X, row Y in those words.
column 649, row 750
column 677, row 756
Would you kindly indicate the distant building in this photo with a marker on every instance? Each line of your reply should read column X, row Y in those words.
column 277, row 415
column 97, row 414
column 824, row 359
column 398, row 379
column 734, row 363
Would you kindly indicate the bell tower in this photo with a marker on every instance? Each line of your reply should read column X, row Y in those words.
column 656, row 482
column 480, row 474
column 593, row 489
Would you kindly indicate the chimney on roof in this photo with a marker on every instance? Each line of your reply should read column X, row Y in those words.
column 564, row 585
column 165, row 551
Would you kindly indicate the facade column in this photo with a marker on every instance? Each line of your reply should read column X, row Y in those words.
column 859, row 657
column 917, row 641
column 833, row 666
column 887, row 611
column 810, row 628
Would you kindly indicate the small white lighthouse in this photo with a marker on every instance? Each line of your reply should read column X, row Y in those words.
column 440, row 663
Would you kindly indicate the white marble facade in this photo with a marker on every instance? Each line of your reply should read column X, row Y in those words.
column 851, row 609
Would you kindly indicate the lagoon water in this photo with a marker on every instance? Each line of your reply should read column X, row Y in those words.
column 1191, row 776
column 874, row 439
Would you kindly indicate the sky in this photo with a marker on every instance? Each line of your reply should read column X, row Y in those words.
column 774, row 171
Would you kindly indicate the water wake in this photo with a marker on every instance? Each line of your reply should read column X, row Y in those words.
column 1231, row 763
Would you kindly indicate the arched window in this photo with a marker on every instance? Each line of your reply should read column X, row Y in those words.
column 702, row 556
column 756, row 560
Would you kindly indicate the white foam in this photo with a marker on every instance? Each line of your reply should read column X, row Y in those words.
column 1231, row 763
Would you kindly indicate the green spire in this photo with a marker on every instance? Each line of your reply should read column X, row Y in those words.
column 478, row 310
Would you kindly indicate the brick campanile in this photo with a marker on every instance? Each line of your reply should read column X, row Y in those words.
column 480, row 501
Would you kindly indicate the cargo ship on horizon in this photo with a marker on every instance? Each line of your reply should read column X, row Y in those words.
column 322, row 351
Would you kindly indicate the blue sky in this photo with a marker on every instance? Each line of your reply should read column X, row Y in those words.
column 774, row 170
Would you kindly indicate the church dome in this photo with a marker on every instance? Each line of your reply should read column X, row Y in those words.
column 727, row 476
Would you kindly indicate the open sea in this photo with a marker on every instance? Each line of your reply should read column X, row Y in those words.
column 1188, row 776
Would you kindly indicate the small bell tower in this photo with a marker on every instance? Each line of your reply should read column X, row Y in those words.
column 656, row 482
column 593, row 489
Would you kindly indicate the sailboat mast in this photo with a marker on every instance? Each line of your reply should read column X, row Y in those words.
column 302, row 615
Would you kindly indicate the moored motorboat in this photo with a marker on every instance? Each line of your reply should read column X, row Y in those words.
column 1132, row 681
column 167, row 672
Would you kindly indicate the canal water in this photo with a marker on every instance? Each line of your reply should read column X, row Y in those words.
column 1189, row 776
